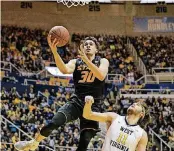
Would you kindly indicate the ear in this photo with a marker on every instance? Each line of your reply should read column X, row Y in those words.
column 142, row 115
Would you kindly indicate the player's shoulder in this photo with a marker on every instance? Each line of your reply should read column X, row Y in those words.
column 113, row 115
column 73, row 61
column 104, row 61
column 144, row 137
column 142, row 131
column 144, row 134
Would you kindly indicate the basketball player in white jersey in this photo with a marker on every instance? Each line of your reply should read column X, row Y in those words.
column 124, row 133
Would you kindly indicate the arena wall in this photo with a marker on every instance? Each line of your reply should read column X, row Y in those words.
column 115, row 18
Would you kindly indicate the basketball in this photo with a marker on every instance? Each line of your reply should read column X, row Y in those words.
column 61, row 34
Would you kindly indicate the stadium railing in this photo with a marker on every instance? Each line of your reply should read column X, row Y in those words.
column 41, row 94
column 20, row 131
column 62, row 148
column 156, row 79
column 165, row 74
column 6, row 121
column 163, row 70
column 8, row 66
column 145, row 93
column 48, row 148
column 117, row 78
column 137, row 59
column 56, row 148
column 163, row 144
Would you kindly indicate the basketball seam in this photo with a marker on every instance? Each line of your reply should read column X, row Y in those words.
column 58, row 35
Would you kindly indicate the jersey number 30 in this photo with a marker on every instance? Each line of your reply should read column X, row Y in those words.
column 87, row 77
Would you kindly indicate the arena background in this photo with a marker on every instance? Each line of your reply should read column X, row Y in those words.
column 111, row 19
column 138, row 75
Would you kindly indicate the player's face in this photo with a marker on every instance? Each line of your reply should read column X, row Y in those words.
column 136, row 108
column 90, row 47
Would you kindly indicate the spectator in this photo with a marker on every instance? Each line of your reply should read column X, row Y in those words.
column 15, row 138
column 155, row 51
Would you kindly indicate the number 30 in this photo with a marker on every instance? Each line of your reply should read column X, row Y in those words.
column 87, row 77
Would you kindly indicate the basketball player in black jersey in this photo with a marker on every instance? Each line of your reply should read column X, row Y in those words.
column 89, row 74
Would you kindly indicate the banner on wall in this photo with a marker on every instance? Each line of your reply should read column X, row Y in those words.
column 153, row 24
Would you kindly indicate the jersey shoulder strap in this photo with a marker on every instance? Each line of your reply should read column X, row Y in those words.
column 118, row 119
column 96, row 61
column 79, row 61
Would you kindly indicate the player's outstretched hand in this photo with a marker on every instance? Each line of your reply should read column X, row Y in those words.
column 53, row 44
column 89, row 100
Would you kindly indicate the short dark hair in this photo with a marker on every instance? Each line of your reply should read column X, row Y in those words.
column 94, row 40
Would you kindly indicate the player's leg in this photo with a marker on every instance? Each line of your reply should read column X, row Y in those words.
column 66, row 113
column 88, row 131
column 85, row 137
column 58, row 120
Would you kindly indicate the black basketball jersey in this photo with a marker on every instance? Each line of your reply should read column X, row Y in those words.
column 86, row 83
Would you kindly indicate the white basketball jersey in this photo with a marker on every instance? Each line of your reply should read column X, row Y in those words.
column 121, row 136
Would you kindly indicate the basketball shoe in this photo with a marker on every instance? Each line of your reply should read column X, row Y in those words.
column 26, row 145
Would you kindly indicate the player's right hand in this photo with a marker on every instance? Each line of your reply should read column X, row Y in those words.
column 89, row 100
column 53, row 44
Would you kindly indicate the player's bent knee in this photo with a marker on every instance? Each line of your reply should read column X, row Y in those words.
column 58, row 120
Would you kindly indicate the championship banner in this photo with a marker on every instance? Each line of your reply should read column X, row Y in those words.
column 153, row 24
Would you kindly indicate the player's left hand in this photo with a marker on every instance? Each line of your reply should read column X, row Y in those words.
column 82, row 53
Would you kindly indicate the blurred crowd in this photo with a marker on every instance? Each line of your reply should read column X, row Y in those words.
column 29, row 112
column 24, row 48
column 155, row 51
column 28, row 50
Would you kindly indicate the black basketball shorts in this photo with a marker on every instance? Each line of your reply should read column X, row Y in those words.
column 74, row 110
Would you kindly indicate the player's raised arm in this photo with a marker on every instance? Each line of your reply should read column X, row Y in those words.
column 142, row 143
column 100, row 117
column 64, row 68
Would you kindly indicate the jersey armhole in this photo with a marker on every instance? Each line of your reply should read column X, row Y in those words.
column 117, row 118
column 76, row 63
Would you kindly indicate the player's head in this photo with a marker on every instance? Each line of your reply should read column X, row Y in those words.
column 140, row 110
column 91, row 45
column 136, row 109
